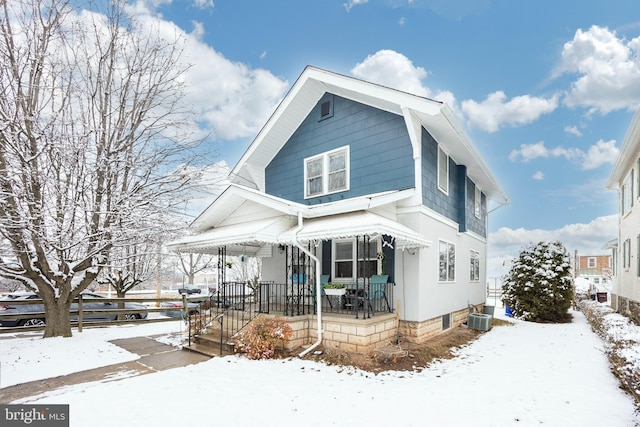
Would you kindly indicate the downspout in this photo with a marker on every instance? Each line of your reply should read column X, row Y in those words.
column 318, row 288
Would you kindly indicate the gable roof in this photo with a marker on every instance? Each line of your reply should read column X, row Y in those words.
column 626, row 156
column 230, row 201
column 418, row 112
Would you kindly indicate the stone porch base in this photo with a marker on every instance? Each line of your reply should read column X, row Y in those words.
column 420, row 332
column 365, row 335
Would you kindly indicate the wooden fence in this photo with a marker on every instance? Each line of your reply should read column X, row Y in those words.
column 152, row 306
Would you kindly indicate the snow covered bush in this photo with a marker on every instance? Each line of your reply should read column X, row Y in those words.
column 539, row 285
column 259, row 339
column 621, row 339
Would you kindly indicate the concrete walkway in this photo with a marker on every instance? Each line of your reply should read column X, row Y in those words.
column 154, row 357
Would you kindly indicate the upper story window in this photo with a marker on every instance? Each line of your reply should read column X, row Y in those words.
column 627, row 193
column 327, row 173
column 443, row 171
column 591, row 262
column 638, row 177
column 477, row 201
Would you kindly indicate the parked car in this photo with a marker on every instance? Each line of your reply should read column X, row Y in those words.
column 193, row 308
column 90, row 301
column 189, row 290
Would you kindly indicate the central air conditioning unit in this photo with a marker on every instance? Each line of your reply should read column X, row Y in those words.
column 479, row 321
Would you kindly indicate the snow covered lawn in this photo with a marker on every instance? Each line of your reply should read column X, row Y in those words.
column 522, row 375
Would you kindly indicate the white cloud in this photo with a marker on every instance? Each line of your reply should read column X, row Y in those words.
column 601, row 153
column 203, row 4
column 497, row 111
column 607, row 69
column 529, row 152
column 392, row 69
column 227, row 100
column 198, row 30
column 589, row 239
column 573, row 130
column 348, row 6
column 402, row 21
column 538, row 176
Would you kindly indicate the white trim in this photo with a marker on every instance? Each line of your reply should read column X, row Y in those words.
column 448, row 243
column 361, row 223
column 325, row 172
column 444, row 190
column 471, row 252
column 477, row 201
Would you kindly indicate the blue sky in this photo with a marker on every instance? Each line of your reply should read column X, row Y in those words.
column 545, row 89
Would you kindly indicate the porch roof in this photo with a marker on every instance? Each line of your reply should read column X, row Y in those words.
column 354, row 224
column 244, row 238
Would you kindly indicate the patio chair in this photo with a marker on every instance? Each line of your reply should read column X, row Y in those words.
column 378, row 288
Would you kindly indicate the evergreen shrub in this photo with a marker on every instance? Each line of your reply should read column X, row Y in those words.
column 539, row 285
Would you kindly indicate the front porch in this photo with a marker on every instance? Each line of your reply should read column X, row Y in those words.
column 355, row 321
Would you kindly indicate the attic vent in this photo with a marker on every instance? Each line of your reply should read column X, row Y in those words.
column 325, row 109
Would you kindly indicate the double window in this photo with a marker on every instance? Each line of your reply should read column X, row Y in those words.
column 327, row 173
column 345, row 257
column 447, row 262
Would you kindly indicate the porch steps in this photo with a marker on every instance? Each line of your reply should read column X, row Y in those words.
column 208, row 343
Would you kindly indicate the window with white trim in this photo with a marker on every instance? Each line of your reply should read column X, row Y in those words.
column 638, row 256
column 447, row 262
column 591, row 262
column 627, row 193
column 345, row 257
column 626, row 254
column 638, row 177
column 474, row 266
column 477, row 201
column 327, row 173
column 443, row 171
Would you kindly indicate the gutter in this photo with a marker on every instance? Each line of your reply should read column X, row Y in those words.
column 318, row 289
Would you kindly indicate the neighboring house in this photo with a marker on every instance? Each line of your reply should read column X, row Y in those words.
column 597, row 269
column 348, row 182
column 625, row 177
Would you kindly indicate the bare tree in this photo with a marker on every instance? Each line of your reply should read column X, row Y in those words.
column 90, row 127
column 192, row 264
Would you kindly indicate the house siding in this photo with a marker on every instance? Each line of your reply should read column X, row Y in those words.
column 475, row 224
column 458, row 204
column 627, row 282
column 444, row 204
column 381, row 157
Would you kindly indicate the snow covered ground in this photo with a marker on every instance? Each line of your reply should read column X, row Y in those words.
column 521, row 375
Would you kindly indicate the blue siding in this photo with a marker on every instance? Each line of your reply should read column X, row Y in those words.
column 432, row 197
column 381, row 158
column 477, row 225
column 458, row 205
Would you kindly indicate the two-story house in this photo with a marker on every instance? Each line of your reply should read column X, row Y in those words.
column 355, row 183
column 597, row 269
column 625, row 177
